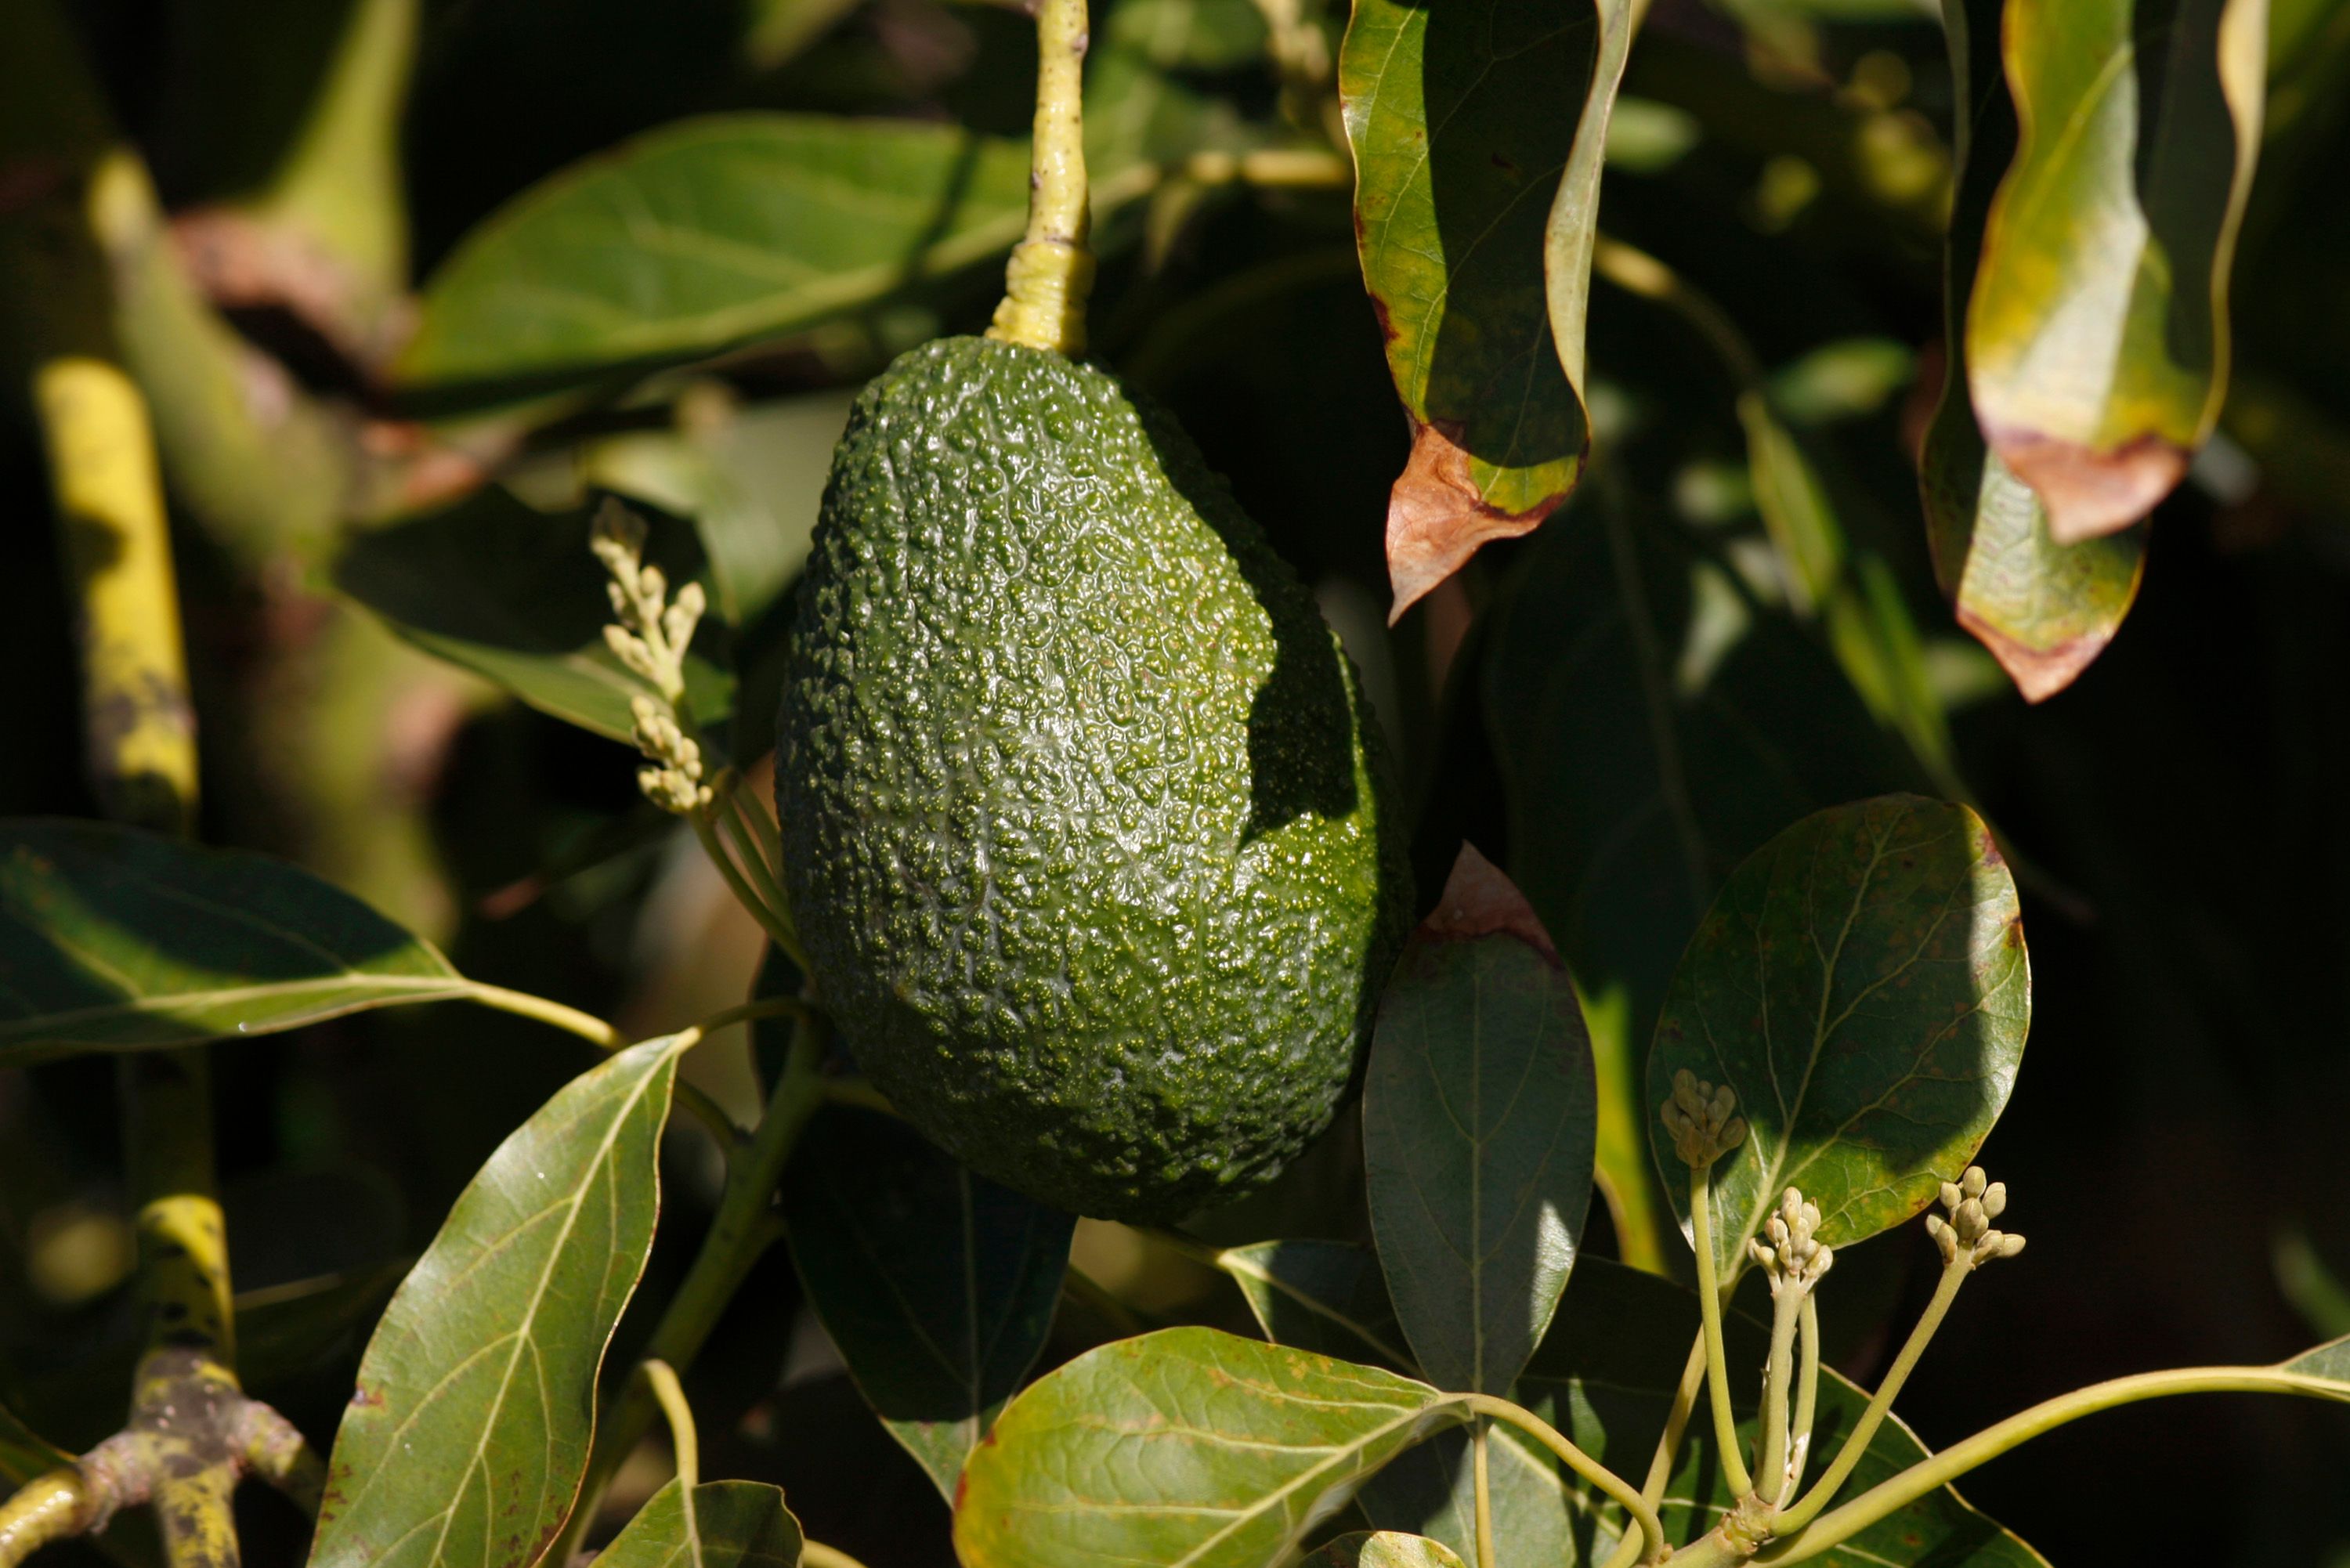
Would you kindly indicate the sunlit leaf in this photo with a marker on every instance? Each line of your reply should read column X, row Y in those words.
column 116, row 940
column 1861, row 984
column 1184, row 1446
column 464, row 1443
column 719, row 1524
column 2044, row 609
column 1384, row 1549
column 2096, row 335
column 1457, row 172
column 513, row 595
column 937, row 1285
column 1478, row 1129
column 708, row 233
column 1327, row 1297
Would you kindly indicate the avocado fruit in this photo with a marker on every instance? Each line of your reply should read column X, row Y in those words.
column 1091, row 840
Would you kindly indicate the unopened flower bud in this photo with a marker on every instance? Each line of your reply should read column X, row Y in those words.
column 1994, row 1198
column 1973, row 1182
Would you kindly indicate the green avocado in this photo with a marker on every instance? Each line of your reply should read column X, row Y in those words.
column 1090, row 837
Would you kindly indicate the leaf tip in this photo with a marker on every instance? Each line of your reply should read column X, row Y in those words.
column 1438, row 515
column 1479, row 899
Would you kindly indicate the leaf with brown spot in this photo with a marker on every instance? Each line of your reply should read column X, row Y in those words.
column 1477, row 128
column 2044, row 609
column 2097, row 331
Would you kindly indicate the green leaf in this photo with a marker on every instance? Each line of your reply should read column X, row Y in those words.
column 1147, row 75
column 2331, row 1360
column 937, row 1285
column 25, row 1453
column 1455, row 181
column 513, row 595
column 1479, row 1113
column 1656, row 718
column 1327, row 1297
column 719, row 1524
column 750, row 479
column 1187, row 1446
column 1861, row 984
column 113, row 938
column 707, row 234
column 1605, row 1377
column 1537, row 1523
column 1384, row 1549
column 2097, row 336
column 288, row 1329
column 2045, row 610
column 466, row 1437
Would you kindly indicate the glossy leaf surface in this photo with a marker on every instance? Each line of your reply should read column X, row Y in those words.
column 1861, row 983
column 1384, row 1549
column 513, row 595
column 1456, row 170
column 1327, row 1297
column 1184, row 1446
column 2045, row 610
column 113, row 938
column 1655, row 720
column 465, row 1440
column 1479, row 1122
column 719, row 1524
column 2097, row 335
column 937, row 1286
column 708, row 234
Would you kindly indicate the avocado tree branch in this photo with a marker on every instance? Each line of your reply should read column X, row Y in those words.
column 1052, row 270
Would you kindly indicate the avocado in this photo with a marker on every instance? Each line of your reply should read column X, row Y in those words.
column 1089, row 831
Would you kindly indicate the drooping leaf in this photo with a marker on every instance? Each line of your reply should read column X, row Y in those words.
column 25, row 1453
column 718, row 1525
column 113, row 938
column 1861, row 984
column 1479, row 1113
column 513, row 595
column 1656, row 719
column 937, row 1286
column 2096, row 335
column 1462, row 119
column 1605, row 1377
column 1327, row 1297
column 1184, row 1446
column 466, row 1437
column 2044, row 609
column 1384, row 1549
column 709, row 233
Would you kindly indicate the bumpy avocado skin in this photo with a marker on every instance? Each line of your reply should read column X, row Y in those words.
column 1093, row 844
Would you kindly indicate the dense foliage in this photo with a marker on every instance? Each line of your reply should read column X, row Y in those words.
column 1868, row 481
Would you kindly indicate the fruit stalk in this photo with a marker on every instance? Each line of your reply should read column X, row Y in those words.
column 1051, row 270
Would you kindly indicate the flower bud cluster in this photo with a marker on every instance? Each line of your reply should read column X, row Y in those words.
column 1698, row 1116
column 1786, row 1249
column 650, row 640
column 653, row 632
column 674, row 782
column 1973, row 1201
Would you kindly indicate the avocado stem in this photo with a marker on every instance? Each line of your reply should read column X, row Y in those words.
column 1051, row 270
